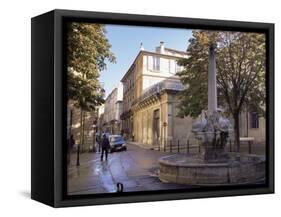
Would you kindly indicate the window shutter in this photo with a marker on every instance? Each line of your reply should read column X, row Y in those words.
column 172, row 68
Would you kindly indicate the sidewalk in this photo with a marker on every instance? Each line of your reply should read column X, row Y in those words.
column 141, row 145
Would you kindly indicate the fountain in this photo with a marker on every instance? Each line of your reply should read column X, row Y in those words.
column 214, row 129
column 214, row 165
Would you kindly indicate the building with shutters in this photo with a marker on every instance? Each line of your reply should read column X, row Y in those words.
column 150, row 88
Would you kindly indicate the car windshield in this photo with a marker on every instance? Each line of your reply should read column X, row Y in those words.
column 116, row 139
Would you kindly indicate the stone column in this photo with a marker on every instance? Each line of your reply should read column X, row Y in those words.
column 212, row 81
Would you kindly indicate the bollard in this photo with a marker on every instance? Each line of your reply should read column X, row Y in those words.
column 178, row 145
column 170, row 146
column 164, row 145
column 230, row 146
column 250, row 147
column 187, row 146
column 199, row 148
column 120, row 187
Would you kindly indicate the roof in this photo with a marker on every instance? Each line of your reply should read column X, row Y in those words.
column 153, row 53
column 176, row 51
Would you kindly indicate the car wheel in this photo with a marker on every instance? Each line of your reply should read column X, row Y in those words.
column 125, row 148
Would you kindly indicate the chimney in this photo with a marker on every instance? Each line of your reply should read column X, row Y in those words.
column 162, row 48
column 141, row 47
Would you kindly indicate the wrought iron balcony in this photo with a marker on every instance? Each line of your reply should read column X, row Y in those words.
column 158, row 88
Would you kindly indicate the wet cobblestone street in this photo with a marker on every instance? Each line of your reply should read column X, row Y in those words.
column 136, row 169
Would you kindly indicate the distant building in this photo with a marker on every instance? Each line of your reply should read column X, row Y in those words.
column 113, row 107
column 100, row 121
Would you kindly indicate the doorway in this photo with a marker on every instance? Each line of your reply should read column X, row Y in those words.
column 156, row 128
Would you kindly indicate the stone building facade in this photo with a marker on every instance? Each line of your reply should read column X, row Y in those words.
column 74, row 126
column 150, row 98
column 252, row 125
column 113, row 107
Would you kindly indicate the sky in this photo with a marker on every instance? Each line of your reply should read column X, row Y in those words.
column 125, row 42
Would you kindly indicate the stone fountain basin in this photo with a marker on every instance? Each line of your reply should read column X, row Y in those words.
column 193, row 170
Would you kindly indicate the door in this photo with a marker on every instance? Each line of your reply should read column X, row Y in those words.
column 156, row 128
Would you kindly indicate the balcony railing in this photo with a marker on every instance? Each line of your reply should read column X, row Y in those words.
column 159, row 87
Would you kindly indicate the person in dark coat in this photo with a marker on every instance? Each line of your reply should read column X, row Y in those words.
column 72, row 142
column 105, row 145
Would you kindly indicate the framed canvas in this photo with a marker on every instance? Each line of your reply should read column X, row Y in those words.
column 134, row 108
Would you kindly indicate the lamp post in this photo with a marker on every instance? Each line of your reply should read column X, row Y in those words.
column 94, row 137
column 78, row 158
column 69, row 137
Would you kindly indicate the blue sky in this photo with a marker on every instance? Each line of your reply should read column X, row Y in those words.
column 126, row 40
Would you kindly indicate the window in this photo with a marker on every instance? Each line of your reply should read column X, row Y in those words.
column 156, row 63
column 254, row 120
column 172, row 66
column 178, row 68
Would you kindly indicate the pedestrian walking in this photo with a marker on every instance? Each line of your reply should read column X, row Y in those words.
column 105, row 145
column 72, row 142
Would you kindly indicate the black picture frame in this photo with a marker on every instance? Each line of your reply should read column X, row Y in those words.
column 48, row 163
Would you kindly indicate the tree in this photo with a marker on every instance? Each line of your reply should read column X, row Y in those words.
column 240, row 59
column 88, row 49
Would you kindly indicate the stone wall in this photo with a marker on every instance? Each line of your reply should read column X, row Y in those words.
column 75, row 127
column 171, row 127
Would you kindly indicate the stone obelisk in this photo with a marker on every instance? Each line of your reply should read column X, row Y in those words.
column 212, row 81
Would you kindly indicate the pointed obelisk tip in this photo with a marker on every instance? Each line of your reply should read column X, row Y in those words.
column 213, row 46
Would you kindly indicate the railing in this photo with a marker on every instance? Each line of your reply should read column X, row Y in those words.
column 247, row 146
column 191, row 146
column 178, row 146
column 157, row 88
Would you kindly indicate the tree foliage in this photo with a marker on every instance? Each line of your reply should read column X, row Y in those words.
column 240, row 60
column 88, row 49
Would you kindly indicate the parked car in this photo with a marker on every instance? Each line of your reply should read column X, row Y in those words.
column 117, row 143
